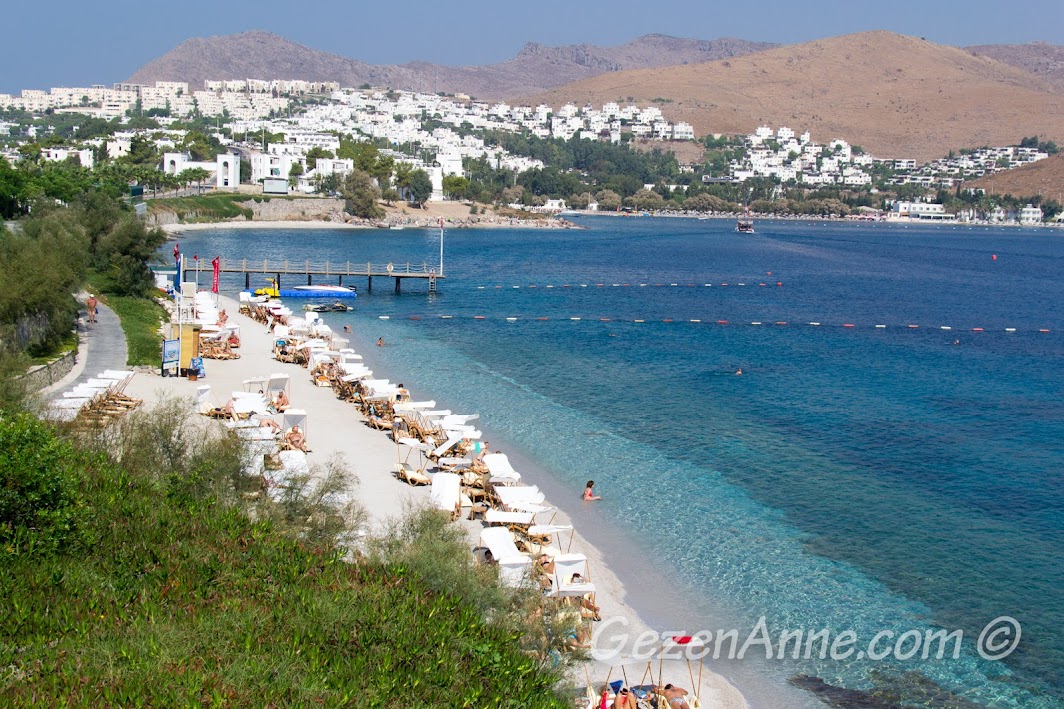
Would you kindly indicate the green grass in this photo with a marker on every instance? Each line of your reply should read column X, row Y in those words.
column 212, row 207
column 170, row 596
column 203, row 208
column 68, row 343
column 140, row 321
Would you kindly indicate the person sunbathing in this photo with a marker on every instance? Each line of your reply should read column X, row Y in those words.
column 625, row 699
column 281, row 402
column 295, row 439
column 274, row 427
column 481, row 450
column 229, row 408
column 546, row 563
column 675, row 695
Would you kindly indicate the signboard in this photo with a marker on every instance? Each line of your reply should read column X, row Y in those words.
column 197, row 366
column 171, row 353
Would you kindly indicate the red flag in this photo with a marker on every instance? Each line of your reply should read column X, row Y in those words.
column 177, row 252
column 215, row 264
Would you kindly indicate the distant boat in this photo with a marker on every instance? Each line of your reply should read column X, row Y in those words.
column 396, row 227
column 745, row 226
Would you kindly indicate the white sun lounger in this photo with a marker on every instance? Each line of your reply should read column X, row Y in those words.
column 514, row 567
column 500, row 469
column 446, row 493
column 510, row 496
column 565, row 566
column 508, row 518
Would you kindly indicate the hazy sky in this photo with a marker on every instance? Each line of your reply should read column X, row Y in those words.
column 80, row 42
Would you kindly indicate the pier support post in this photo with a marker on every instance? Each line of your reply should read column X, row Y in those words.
column 278, row 283
column 397, row 282
column 369, row 284
column 309, row 283
column 247, row 281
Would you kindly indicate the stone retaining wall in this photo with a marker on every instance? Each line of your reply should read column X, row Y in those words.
column 48, row 374
column 274, row 210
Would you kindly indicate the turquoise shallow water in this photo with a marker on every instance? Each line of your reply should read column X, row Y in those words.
column 852, row 478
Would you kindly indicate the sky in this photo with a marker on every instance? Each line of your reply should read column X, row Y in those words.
column 78, row 43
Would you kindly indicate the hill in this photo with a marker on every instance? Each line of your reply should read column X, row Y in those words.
column 535, row 68
column 1039, row 58
column 1045, row 177
column 896, row 96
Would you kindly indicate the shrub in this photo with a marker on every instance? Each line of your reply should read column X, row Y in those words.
column 40, row 505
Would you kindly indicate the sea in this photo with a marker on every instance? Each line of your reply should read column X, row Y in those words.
column 889, row 461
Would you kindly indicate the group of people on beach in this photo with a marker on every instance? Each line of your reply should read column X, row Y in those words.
column 628, row 699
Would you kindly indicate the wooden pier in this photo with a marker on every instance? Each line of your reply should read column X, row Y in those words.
column 326, row 269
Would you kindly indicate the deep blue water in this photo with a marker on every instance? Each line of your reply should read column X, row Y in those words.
column 853, row 478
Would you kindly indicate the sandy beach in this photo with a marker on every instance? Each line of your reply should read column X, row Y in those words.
column 338, row 428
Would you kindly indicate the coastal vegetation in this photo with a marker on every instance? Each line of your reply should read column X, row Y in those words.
column 141, row 565
column 65, row 244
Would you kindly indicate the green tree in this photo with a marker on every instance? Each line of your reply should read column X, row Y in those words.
column 294, row 173
column 608, row 200
column 455, row 186
column 647, row 200
column 360, row 195
column 314, row 153
column 142, row 151
column 420, row 187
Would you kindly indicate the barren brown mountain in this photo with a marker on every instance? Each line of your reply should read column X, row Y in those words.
column 895, row 96
column 1039, row 58
column 1045, row 177
column 263, row 55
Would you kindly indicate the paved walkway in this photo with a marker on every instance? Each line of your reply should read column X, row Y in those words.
column 102, row 346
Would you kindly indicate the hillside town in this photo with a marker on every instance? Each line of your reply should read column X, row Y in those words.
column 290, row 133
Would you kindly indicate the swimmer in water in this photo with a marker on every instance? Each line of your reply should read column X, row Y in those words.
column 739, row 372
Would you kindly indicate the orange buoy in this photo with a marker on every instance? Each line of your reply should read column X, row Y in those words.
column 993, row 257
column 779, row 284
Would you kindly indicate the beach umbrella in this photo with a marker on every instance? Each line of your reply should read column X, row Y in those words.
column 412, row 444
column 685, row 644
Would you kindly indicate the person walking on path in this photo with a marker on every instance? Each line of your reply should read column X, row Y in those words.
column 90, row 305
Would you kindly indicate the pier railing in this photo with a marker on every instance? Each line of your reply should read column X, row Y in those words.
column 328, row 268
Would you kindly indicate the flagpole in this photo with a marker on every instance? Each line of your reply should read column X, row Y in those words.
column 441, row 246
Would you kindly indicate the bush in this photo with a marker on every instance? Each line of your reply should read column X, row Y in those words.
column 40, row 505
column 187, row 600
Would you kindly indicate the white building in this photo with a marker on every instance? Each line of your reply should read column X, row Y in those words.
column 920, row 210
column 84, row 157
column 224, row 169
column 1030, row 215
column 275, row 165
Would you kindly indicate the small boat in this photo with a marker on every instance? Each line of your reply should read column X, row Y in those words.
column 327, row 290
column 335, row 307
column 396, row 227
column 745, row 226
